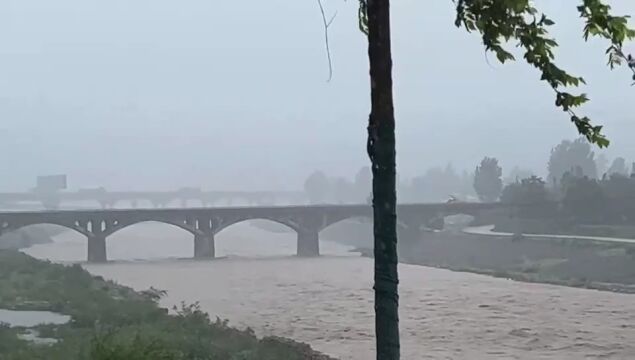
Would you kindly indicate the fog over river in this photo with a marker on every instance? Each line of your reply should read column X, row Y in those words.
column 328, row 301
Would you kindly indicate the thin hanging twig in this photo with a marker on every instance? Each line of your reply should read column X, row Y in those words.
column 327, row 24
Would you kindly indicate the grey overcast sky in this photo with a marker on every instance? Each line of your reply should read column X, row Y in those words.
column 222, row 94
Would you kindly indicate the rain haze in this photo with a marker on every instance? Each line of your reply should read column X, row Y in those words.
column 205, row 94
column 196, row 156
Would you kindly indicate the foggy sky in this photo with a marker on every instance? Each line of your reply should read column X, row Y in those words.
column 158, row 94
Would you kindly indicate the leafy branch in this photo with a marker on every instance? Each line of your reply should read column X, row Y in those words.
column 504, row 20
column 599, row 23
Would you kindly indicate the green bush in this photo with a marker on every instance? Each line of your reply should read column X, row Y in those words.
column 112, row 347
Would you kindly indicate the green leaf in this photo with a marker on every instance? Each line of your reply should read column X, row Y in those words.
column 602, row 142
column 499, row 21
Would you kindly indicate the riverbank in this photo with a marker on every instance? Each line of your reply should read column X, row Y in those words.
column 110, row 321
column 568, row 229
column 524, row 276
column 582, row 263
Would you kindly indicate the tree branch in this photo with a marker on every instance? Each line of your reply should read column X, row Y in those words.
column 327, row 24
column 498, row 22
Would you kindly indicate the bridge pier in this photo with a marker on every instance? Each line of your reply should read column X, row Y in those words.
column 204, row 246
column 308, row 243
column 97, row 249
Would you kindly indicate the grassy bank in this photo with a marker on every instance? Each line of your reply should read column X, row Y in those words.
column 112, row 322
column 561, row 228
column 529, row 274
column 600, row 265
column 541, row 278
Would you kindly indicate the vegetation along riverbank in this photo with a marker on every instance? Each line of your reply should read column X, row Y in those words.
column 112, row 322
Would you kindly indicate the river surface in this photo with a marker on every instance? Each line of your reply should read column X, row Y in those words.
column 23, row 318
column 328, row 301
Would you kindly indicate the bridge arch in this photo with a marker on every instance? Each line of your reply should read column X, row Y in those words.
column 366, row 218
column 153, row 239
column 357, row 231
column 121, row 226
column 286, row 238
column 285, row 222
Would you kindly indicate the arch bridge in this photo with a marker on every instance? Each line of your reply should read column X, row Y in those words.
column 205, row 223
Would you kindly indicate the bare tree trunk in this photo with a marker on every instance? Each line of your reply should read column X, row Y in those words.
column 381, row 150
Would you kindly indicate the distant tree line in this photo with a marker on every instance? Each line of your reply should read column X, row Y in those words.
column 589, row 188
column 322, row 189
column 437, row 184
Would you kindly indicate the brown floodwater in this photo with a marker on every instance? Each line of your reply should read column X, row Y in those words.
column 328, row 301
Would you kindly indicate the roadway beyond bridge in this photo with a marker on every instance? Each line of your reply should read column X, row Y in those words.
column 204, row 223
column 157, row 199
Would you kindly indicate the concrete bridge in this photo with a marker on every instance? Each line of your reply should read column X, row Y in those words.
column 158, row 199
column 205, row 223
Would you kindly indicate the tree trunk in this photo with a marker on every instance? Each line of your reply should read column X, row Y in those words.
column 381, row 150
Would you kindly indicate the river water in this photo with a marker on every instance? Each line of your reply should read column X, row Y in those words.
column 327, row 301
